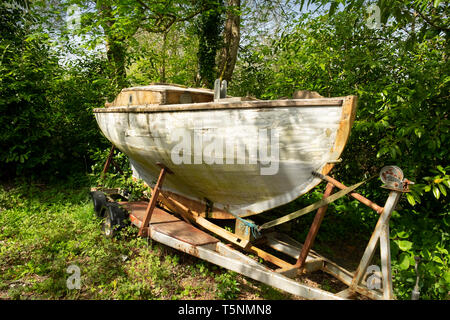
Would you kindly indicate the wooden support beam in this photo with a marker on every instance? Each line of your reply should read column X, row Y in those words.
column 347, row 293
column 221, row 232
column 118, row 168
column 186, row 213
column 270, row 258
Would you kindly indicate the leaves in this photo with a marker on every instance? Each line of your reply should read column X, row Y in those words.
column 436, row 192
column 404, row 245
column 404, row 261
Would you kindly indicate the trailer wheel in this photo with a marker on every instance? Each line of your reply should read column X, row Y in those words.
column 115, row 219
column 109, row 227
column 100, row 203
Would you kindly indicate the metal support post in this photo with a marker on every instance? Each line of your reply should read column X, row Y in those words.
column 381, row 233
column 152, row 203
column 314, row 229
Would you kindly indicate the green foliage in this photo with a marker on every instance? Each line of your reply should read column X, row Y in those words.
column 421, row 236
column 209, row 30
column 46, row 126
column 227, row 286
column 400, row 75
column 170, row 62
column 43, row 230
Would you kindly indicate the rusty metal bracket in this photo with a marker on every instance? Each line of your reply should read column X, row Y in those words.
column 392, row 177
column 108, row 162
column 314, row 229
column 355, row 195
column 152, row 203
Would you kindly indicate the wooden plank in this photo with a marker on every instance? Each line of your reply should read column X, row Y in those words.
column 269, row 257
column 184, row 232
column 385, row 252
column 181, row 209
column 287, row 245
column 157, row 107
column 346, row 293
column 138, row 208
column 166, row 223
column 160, row 95
column 310, row 265
column 338, row 272
column 241, row 242
column 227, row 251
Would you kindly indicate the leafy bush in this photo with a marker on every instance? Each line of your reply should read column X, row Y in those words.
column 47, row 126
column 401, row 79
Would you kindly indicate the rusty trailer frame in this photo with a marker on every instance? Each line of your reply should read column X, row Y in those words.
column 182, row 235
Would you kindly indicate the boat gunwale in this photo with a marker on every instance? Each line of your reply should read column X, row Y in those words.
column 225, row 105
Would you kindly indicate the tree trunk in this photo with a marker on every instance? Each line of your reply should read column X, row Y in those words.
column 164, row 57
column 115, row 47
column 116, row 59
column 228, row 54
column 209, row 30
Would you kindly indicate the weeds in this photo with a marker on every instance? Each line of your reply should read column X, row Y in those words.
column 227, row 285
column 44, row 230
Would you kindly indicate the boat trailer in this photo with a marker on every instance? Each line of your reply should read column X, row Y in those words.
column 184, row 233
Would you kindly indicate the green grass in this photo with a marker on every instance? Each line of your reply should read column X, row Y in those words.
column 44, row 230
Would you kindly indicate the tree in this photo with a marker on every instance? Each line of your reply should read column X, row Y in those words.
column 117, row 23
column 402, row 83
column 229, row 51
column 429, row 14
column 46, row 127
column 209, row 27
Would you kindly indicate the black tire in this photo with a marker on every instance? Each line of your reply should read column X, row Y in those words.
column 115, row 219
column 108, row 227
column 100, row 203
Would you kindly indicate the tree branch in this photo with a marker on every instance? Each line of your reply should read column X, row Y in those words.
column 159, row 18
column 431, row 23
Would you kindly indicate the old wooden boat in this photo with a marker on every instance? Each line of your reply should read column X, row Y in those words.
column 228, row 155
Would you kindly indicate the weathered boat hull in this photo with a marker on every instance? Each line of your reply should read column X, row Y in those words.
column 239, row 157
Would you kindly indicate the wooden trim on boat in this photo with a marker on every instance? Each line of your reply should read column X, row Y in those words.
column 343, row 133
column 152, row 108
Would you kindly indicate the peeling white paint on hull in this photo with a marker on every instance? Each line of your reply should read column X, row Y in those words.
column 310, row 135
